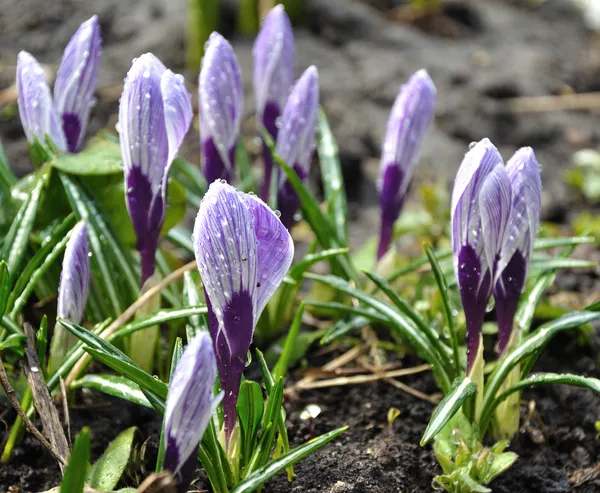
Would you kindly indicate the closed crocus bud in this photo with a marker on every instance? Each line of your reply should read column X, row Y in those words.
column 274, row 57
column 155, row 113
column 471, row 264
column 36, row 108
column 243, row 253
column 221, row 97
column 76, row 82
column 296, row 141
column 524, row 175
column 407, row 126
column 190, row 405
column 72, row 292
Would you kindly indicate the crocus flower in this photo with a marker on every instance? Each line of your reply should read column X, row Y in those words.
column 408, row 123
column 471, row 245
column 526, row 185
column 72, row 292
column 65, row 119
column 274, row 55
column 296, row 139
column 190, row 405
column 243, row 253
column 155, row 113
column 220, row 105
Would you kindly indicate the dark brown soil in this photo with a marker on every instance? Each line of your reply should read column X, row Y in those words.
column 479, row 55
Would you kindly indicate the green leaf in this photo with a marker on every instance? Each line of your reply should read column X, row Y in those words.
column 242, row 161
column 502, row 462
column 114, row 385
column 344, row 327
column 181, row 237
column 4, row 286
column 546, row 263
column 529, row 347
column 331, row 176
column 16, row 241
column 191, row 295
column 442, row 254
column 281, row 367
column 548, row 243
column 526, row 311
column 443, row 288
column 262, row 475
column 76, row 471
column 100, row 157
column 396, row 320
column 250, row 408
column 446, row 409
column 107, row 471
column 15, row 342
column 7, row 176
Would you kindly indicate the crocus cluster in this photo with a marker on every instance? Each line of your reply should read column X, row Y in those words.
column 63, row 119
column 155, row 113
column 495, row 218
column 274, row 57
column 72, row 292
column 243, row 252
column 190, row 405
column 407, row 126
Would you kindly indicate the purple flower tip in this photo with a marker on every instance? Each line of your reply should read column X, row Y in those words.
column 75, row 276
column 243, row 253
column 36, row 108
column 155, row 113
column 296, row 140
column 190, row 405
column 220, row 105
column 76, row 81
column 407, row 126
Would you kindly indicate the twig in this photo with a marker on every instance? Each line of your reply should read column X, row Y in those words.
column 66, row 415
column 562, row 102
column 127, row 314
column 10, row 394
column 433, row 399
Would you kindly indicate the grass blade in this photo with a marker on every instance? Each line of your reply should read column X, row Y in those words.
column 113, row 385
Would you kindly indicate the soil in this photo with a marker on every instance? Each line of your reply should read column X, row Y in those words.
column 480, row 55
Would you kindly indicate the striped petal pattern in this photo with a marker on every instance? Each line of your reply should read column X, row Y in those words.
column 407, row 126
column 154, row 115
column 190, row 405
column 243, row 253
column 76, row 82
column 220, row 105
column 296, row 140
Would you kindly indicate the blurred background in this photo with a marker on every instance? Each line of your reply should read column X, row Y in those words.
column 523, row 73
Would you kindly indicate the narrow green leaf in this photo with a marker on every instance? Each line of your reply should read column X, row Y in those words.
column 105, row 474
column 76, row 471
column 4, row 286
column 547, row 263
column 447, row 408
column 331, row 176
column 15, row 342
column 191, row 295
column 526, row 311
column 547, row 243
column 250, row 408
column 343, row 328
column 281, row 368
column 442, row 254
column 7, row 176
column 182, row 237
column 242, row 161
column 262, row 475
column 114, row 385
column 100, row 157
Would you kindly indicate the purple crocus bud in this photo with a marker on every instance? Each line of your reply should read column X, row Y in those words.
column 296, row 140
column 190, row 405
column 36, row 108
column 221, row 98
column 274, row 58
column 524, row 175
column 470, row 260
column 409, row 121
column 243, row 253
column 155, row 113
column 72, row 292
column 76, row 81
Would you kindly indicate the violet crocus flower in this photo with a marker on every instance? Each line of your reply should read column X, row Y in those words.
column 524, row 174
column 296, row 140
column 243, row 253
column 408, row 123
column 155, row 113
column 72, row 292
column 65, row 119
column 220, row 105
column 274, row 57
column 471, row 245
column 190, row 405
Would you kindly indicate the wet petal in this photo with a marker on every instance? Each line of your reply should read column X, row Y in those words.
column 177, row 104
column 36, row 108
column 76, row 81
column 220, row 105
column 190, row 405
column 274, row 58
